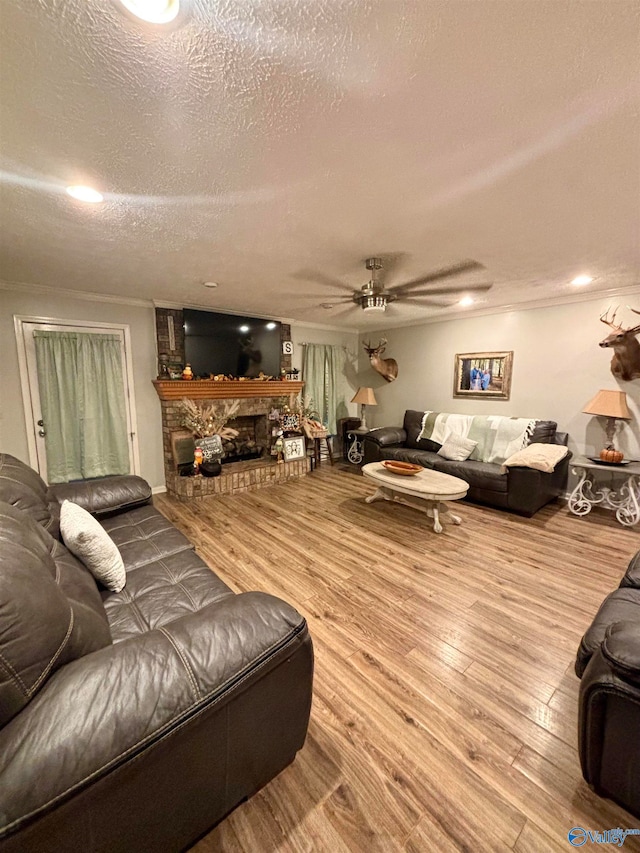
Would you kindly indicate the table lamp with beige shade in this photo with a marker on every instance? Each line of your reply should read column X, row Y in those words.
column 365, row 397
column 611, row 405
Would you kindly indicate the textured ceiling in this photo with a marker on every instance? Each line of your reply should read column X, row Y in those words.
column 272, row 145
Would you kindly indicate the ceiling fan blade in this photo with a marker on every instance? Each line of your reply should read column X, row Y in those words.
column 428, row 303
column 344, row 310
column 326, row 297
column 321, row 278
column 440, row 291
column 446, row 272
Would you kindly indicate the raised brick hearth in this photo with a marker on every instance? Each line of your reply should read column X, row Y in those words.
column 236, row 477
column 256, row 400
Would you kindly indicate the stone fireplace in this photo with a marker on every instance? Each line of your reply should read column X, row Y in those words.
column 256, row 400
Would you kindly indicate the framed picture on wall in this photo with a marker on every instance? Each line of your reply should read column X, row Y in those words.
column 294, row 448
column 483, row 374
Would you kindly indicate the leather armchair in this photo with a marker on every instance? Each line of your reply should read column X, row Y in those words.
column 608, row 662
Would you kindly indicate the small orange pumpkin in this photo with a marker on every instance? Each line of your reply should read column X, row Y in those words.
column 609, row 454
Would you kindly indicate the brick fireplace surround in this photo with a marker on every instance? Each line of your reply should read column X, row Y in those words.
column 256, row 398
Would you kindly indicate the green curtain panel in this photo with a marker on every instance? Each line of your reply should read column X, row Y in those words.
column 83, row 404
column 322, row 370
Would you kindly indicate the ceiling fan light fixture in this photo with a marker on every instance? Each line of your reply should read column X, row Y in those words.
column 374, row 303
column 375, row 296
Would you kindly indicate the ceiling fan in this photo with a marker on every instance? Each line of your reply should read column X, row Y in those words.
column 375, row 296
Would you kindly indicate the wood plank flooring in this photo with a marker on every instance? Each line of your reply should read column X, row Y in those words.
column 445, row 704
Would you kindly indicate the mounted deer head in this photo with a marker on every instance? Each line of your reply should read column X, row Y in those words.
column 625, row 363
column 386, row 367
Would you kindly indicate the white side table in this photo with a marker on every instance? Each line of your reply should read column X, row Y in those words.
column 614, row 487
column 355, row 454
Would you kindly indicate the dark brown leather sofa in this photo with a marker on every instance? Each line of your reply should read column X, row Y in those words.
column 133, row 721
column 522, row 490
column 608, row 663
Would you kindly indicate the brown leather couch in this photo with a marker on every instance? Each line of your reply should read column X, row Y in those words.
column 522, row 490
column 608, row 663
column 133, row 721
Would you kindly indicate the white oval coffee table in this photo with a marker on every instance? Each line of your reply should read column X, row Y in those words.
column 427, row 491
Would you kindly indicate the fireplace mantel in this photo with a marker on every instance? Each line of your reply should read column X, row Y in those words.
column 232, row 389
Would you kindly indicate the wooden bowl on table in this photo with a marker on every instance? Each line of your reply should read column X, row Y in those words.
column 406, row 469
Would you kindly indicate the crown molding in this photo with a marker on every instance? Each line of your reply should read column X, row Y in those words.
column 287, row 320
column 300, row 324
column 195, row 306
column 25, row 287
column 453, row 314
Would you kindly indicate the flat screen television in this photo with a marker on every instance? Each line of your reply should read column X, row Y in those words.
column 225, row 343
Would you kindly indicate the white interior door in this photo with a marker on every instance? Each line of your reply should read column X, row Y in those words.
column 36, row 427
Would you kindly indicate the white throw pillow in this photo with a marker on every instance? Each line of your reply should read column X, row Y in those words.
column 543, row 457
column 88, row 540
column 457, row 448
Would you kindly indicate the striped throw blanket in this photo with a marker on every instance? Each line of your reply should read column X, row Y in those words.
column 498, row 437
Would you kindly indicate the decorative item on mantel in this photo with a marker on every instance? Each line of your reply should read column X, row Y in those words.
column 163, row 366
column 613, row 406
column 225, row 389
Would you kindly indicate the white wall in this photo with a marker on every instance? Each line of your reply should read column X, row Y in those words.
column 141, row 321
column 557, row 368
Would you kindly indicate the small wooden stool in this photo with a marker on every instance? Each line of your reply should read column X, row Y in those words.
column 318, row 434
column 317, row 448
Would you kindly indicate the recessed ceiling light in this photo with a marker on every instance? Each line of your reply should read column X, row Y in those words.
column 271, row 326
column 153, row 11
column 244, row 329
column 581, row 279
column 209, row 283
column 466, row 300
column 87, row 194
